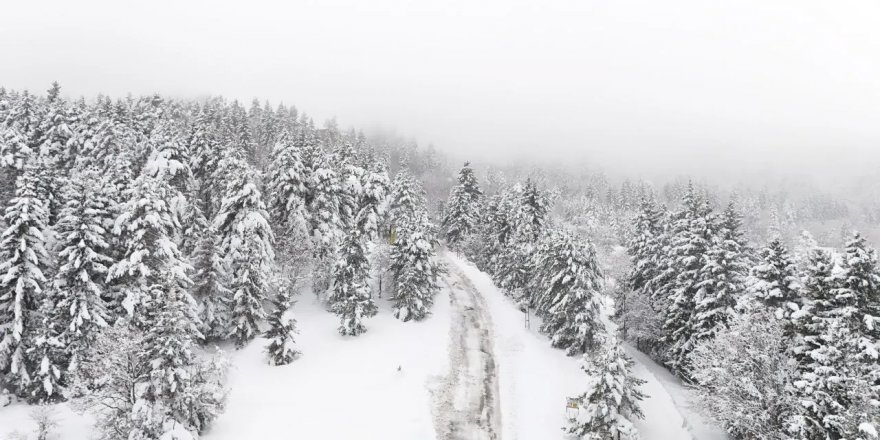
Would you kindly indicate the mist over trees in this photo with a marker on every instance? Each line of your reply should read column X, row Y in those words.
column 140, row 233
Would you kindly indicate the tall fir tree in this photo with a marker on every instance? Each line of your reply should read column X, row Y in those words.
column 23, row 263
column 248, row 248
column 78, row 296
column 462, row 209
column 567, row 284
column 726, row 267
column 211, row 285
column 774, row 281
column 351, row 298
column 415, row 272
column 532, row 214
column 282, row 327
column 146, row 229
column 611, row 401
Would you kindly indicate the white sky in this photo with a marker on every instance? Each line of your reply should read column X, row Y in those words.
column 675, row 85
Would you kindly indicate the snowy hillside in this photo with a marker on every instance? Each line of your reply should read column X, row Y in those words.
column 390, row 382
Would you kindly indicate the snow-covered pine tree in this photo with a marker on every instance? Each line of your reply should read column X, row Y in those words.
column 825, row 369
column 55, row 135
column 567, row 285
column 499, row 232
column 80, row 281
column 532, row 214
column 415, row 272
column 635, row 309
column 172, row 393
column 19, row 136
column 643, row 246
column 350, row 297
column 407, row 203
column 683, row 276
column 288, row 187
column 511, row 258
column 350, row 177
column 169, row 159
column 325, row 202
column 205, row 154
column 462, row 209
column 281, row 349
column 23, row 262
column 774, row 281
column 723, row 281
column 612, row 400
column 372, row 201
column 210, row 285
column 858, row 308
column 248, row 248
column 146, row 228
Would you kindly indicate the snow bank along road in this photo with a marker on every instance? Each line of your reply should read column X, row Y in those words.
column 466, row 405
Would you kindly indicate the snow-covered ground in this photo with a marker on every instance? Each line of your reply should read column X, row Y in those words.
column 373, row 386
column 16, row 423
column 471, row 370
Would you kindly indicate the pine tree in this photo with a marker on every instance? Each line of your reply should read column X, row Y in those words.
column 19, row 140
column 372, row 201
column 415, row 272
column 351, row 298
column 23, row 262
column 567, row 286
column 54, row 149
column 462, row 209
column 282, row 327
column 288, row 187
column 774, row 281
column 169, row 158
column 635, row 306
column 325, row 200
column 210, row 286
column 825, row 368
column 80, row 282
column 532, row 215
column 611, row 401
column 169, row 395
column 644, row 245
column 407, row 203
column 723, row 279
column 683, row 277
column 146, row 228
column 248, row 246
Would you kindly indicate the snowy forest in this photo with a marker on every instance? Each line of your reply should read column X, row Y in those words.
column 151, row 244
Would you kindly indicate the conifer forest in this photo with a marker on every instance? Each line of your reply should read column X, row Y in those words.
column 500, row 221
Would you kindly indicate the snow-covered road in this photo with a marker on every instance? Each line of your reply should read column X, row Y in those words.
column 535, row 379
column 466, row 406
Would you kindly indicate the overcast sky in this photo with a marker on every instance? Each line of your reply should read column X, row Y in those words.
column 646, row 83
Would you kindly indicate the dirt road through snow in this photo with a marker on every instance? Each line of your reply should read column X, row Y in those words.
column 466, row 405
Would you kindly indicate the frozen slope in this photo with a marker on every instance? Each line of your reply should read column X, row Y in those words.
column 535, row 379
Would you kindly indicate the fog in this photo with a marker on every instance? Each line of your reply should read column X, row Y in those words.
column 724, row 88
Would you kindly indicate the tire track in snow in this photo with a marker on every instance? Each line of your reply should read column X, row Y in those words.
column 466, row 406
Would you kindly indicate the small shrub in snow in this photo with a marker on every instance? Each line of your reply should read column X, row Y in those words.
column 611, row 401
column 282, row 327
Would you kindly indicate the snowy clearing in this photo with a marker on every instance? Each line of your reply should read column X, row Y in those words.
column 374, row 386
